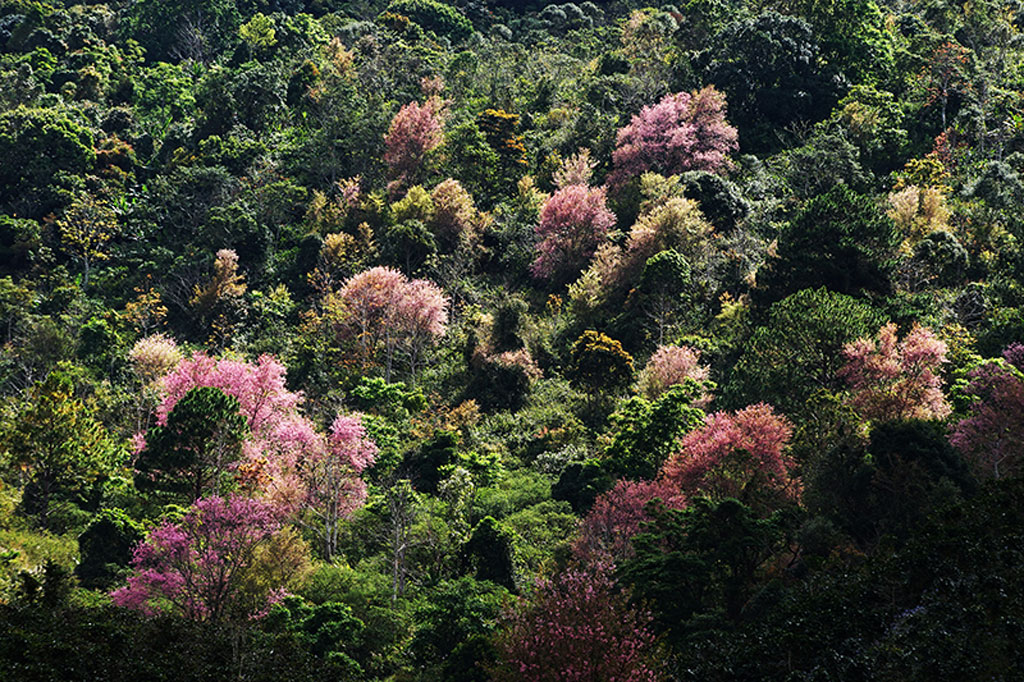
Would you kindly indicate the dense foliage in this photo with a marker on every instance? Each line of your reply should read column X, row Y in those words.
column 472, row 340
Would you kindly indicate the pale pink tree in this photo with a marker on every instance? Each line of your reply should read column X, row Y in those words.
column 154, row 356
column 415, row 131
column 891, row 379
column 387, row 313
column 573, row 223
column 576, row 627
column 741, row 455
column 992, row 434
column 606, row 532
column 669, row 366
column 422, row 317
column 575, row 170
column 202, row 567
column 330, row 479
column 684, row 131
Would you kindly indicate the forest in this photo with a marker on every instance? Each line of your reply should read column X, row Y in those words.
column 472, row 340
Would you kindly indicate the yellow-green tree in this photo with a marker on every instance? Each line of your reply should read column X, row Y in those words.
column 86, row 228
column 57, row 447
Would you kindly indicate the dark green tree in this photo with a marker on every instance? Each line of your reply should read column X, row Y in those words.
column 106, row 546
column 190, row 454
column 490, row 552
column 60, row 448
column 840, row 240
column 798, row 350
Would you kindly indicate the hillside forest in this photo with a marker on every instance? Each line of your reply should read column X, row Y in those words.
column 468, row 340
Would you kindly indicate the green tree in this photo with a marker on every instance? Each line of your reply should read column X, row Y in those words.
column 490, row 552
column 799, row 350
column 189, row 454
column 599, row 364
column 840, row 240
column 60, row 448
column 705, row 560
column 42, row 149
column 646, row 432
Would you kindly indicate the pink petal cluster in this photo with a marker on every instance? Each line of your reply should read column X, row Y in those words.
column 992, row 434
column 891, row 379
column 197, row 567
column 577, row 628
column 260, row 388
column 573, row 222
column 736, row 455
column 685, row 131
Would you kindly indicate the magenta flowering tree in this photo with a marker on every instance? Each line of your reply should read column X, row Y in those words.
column 685, row 131
column 388, row 314
column 741, row 455
column 606, row 533
column 416, row 130
column 891, row 379
column 576, row 627
column 992, row 434
column 202, row 568
column 330, row 479
column 573, row 222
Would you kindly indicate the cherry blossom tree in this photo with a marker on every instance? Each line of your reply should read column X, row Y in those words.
column 992, row 434
column 285, row 460
column 684, row 131
column 741, row 455
column 333, row 489
column 573, row 222
column 416, row 130
column 388, row 314
column 892, row 380
column 606, row 533
column 207, row 566
column 259, row 388
column 671, row 365
column 576, row 627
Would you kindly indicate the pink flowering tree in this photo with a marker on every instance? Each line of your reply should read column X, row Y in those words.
column 330, row 479
column 992, row 434
column 387, row 314
column 576, row 627
column 741, row 455
column 606, row 533
column 573, row 222
column 415, row 131
column 891, row 379
column 203, row 567
column 285, row 459
column 685, row 131
column 669, row 366
column 259, row 388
